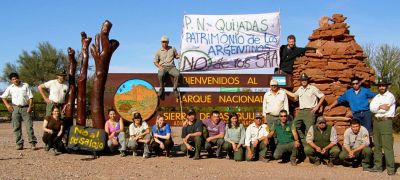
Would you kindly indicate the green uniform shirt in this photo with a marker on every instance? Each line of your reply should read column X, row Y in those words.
column 322, row 138
column 284, row 133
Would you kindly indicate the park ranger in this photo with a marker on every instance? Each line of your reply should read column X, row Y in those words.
column 321, row 143
column 288, row 140
column 383, row 106
column 22, row 104
column 356, row 146
column 308, row 96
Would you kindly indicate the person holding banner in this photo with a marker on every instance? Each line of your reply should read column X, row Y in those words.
column 115, row 130
column 162, row 139
column 164, row 61
column 139, row 135
column 288, row 54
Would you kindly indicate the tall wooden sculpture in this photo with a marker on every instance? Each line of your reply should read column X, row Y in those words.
column 81, row 100
column 102, row 57
column 69, row 109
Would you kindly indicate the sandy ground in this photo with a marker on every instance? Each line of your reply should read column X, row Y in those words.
column 28, row 164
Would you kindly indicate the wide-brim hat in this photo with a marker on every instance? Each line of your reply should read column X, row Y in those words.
column 273, row 82
column 383, row 81
column 304, row 77
column 258, row 115
column 61, row 73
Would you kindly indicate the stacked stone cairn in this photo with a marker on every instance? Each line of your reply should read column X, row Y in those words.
column 342, row 59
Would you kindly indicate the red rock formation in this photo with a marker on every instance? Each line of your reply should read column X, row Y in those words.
column 342, row 60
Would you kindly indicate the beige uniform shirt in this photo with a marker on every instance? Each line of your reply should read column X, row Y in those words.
column 166, row 57
column 274, row 103
column 19, row 94
column 57, row 90
column 352, row 140
column 308, row 96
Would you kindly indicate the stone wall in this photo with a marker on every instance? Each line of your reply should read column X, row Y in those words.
column 342, row 59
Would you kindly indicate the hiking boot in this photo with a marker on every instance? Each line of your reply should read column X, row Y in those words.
column 317, row 162
column 374, row 169
column 134, row 153
column 145, row 155
column 161, row 92
column 176, row 92
column 20, row 147
column 391, row 173
column 293, row 162
column 330, row 164
column 33, row 147
column 263, row 159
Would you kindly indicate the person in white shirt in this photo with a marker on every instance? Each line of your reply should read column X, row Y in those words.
column 20, row 107
column 139, row 133
column 274, row 101
column 383, row 106
column 256, row 140
column 58, row 90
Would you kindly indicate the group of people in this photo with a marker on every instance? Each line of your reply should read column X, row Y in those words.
column 22, row 105
column 272, row 135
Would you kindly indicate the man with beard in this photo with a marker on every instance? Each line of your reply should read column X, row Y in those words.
column 384, row 107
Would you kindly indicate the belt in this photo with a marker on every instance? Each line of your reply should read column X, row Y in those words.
column 384, row 118
column 58, row 104
column 24, row 106
column 268, row 114
column 360, row 111
column 306, row 109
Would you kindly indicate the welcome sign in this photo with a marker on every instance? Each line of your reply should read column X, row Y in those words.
column 230, row 42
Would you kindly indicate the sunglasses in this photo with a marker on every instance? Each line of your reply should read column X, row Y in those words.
column 283, row 116
column 354, row 83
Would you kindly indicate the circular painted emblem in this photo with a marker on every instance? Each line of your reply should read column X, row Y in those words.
column 135, row 95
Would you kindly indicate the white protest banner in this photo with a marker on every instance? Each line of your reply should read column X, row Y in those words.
column 230, row 42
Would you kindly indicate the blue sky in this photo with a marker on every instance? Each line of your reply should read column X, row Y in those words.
column 138, row 25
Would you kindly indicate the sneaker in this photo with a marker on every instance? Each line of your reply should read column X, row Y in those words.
column 293, row 162
column 33, row 147
column 20, row 147
column 54, row 152
column 122, row 154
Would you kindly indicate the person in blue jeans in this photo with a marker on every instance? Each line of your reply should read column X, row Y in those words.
column 162, row 139
column 358, row 99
